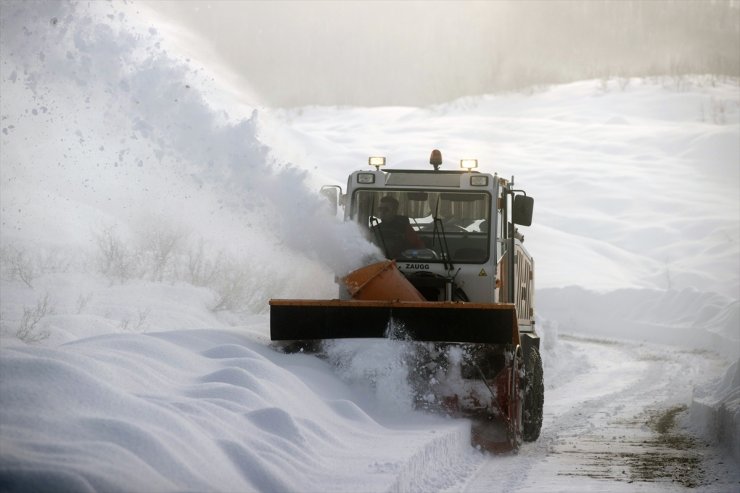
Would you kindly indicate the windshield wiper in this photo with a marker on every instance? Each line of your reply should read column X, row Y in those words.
column 439, row 232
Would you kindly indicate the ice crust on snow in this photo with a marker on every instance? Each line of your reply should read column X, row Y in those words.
column 636, row 237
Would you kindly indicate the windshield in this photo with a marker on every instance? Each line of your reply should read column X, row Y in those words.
column 429, row 226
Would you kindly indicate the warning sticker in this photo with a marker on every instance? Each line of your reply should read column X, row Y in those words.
column 482, row 273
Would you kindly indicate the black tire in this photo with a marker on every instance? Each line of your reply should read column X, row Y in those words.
column 534, row 396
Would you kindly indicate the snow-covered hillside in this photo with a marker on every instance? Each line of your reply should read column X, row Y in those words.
column 146, row 220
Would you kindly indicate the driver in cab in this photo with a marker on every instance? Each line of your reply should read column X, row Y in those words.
column 394, row 233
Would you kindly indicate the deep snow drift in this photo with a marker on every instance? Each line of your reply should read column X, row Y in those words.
column 145, row 225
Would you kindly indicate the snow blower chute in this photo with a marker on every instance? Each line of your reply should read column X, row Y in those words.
column 457, row 282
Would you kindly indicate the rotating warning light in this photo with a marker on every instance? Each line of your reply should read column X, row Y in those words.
column 436, row 159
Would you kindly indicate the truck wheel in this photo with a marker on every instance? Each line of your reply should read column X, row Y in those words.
column 534, row 397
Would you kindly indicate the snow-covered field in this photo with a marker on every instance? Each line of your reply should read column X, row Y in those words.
column 147, row 217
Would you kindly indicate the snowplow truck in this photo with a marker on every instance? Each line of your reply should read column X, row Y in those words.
column 456, row 282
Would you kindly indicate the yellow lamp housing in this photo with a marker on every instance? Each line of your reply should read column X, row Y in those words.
column 468, row 164
column 377, row 161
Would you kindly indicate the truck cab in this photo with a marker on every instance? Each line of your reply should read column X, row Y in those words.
column 462, row 241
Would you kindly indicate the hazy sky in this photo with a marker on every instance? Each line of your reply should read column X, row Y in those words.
column 422, row 52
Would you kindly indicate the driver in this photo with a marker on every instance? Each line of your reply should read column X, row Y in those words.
column 395, row 233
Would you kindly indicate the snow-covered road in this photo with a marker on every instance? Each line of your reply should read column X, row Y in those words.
column 610, row 412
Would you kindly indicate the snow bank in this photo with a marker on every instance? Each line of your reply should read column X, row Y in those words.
column 687, row 318
column 199, row 410
column 715, row 411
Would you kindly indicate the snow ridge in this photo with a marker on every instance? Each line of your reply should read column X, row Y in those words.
column 437, row 465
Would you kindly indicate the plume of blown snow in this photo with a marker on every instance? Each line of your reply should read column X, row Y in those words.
column 77, row 78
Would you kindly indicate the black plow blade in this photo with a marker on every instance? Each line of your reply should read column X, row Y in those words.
column 487, row 323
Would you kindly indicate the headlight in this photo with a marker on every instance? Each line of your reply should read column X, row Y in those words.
column 376, row 161
column 365, row 178
column 479, row 180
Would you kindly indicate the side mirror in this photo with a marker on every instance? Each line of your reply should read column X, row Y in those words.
column 522, row 210
column 332, row 193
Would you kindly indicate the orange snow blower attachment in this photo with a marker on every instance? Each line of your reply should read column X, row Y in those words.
column 468, row 357
column 380, row 281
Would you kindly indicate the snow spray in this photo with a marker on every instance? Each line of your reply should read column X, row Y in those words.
column 100, row 124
